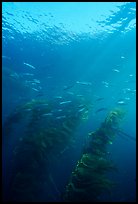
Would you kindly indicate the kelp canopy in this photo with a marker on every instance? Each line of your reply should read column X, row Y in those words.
column 89, row 178
column 42, row 128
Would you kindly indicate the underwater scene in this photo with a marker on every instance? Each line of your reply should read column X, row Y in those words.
column 69, row 101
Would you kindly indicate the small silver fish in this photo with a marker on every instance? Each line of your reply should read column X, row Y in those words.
column 127, row 98
column 105, row 83
column 58, row 96
column 79, row 95
column 59, row 110
column 47, row 114
column 115, row 70
column 99, row 99
column 5, row 57
column 121, row 102
column 83, row 83
column 100, row 109
column 36, row 81
column 60, row 117
column 81, row 109
column 14, row 75
column 29, row 109
column 28, row 74
column 35, row 89
column 64, row 102
column 71, row 93
column 29, row 65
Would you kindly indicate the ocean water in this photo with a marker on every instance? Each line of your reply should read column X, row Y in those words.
column 65, row 64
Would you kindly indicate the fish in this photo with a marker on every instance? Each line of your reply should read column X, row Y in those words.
column 35, row 89
column 83, row 83
column 79, row 95
column 66, row 148
column 121, row 102
column 100, row 109
column 68, row 87
column 49, row 77
column 99, row 99
column 36, row 81
column 122, row 57
column 40, row 94
column 81, row 109
column 47, row 114
column 5, row 57
column 58, row 96
column 60, row 117
column 105, row 83
column 127, row 98
column 71, row 93
column 82, row 105
column 28, row 74
column 29, row 65
column 14, row 75
column 115, row 70
column 29, row 109
column 64, row 102
column 128, row 90
column 131, row 81
column 44, row 104
column 59, row 110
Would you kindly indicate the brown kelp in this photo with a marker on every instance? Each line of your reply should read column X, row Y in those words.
column 89, row 179
column 43, row 133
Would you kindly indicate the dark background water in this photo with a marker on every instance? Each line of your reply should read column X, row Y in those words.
column 69, row 42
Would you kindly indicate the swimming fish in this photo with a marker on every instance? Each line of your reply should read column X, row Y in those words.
column 5, row 57
column 71, row 93
column 29, row 65
column 100, row 109
column 14, row 75
column 99, row 99
column 127, row 98
column 60, row 117
column 29, row 109
column 40, row 94
column 35, row 89
column 121, row 102
column 68, row 87
column 36, row 81
column 79, row 95
column 58, row 96
column 115, row 70
column 28, row 74
column 105, row 82
column 64, row 102
column 47, row 114
column 59, row 110
column 81, row 109
column 83, row 83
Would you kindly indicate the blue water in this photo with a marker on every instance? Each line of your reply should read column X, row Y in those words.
column 64, row 45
